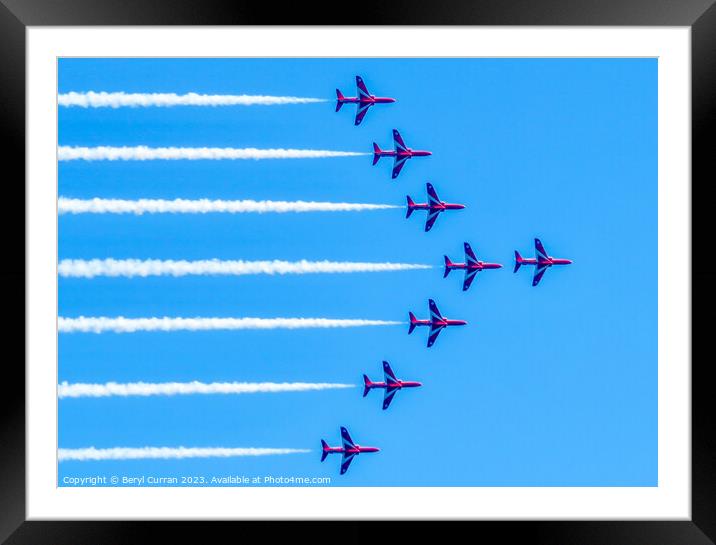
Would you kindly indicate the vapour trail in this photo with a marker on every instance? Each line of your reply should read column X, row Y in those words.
column 205, row 206
column 144, row 153
column 92, row 99
column 81, row 268
column 67, row 390
column 127, row 453
column 121, row 324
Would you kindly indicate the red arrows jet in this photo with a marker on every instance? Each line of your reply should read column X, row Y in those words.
column 349, row 450
column 436, row 322
column 472, row 266
column 402, row 153
column 541, row 260
column 391, row 385
column 364, row 100
column 434, row 206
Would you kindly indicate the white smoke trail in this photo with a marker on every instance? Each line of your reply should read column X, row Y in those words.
column 92, row 99
column 80, row 268
column 121, row 324
column 205, row 206
column 126, row 453
column 66, row 389
column 144, row 153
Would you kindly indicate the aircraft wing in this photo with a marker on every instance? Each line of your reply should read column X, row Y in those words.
column 362, row 89
column 398, row 140
column 432, row 216
column 389, row 394
column 432, row 194
column 469, row 277
column 434, row 312
column 434, row 332
column 362, row 110
column 398, row 165
column 388, row 372
column 539, row 273
column 347, row 459
column 469, row 254
column 539, row 250
column 346, row 438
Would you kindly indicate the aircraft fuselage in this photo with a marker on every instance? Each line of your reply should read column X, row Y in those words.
column 403, row 153
column 366, row 100
column 445, row 322
column 399, row 384
column 544, row 262
column 432, row 207
column 357, row 449
column 479, row 266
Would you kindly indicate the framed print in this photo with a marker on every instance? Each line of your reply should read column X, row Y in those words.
column 433, row 266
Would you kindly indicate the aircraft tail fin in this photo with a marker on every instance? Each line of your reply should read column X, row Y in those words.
column 518, row 261
column 376, row 152
column 413, row 322
column 324, row 449
column 411, row 206
column 448, row 264
column 366, row 385
column 339, row 99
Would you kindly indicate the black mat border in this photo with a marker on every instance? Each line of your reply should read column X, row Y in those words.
column 16, row 15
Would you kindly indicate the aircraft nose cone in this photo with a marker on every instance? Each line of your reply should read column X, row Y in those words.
column 391, row 100
column 418, row 383
column 429, row 152
column 499, row 266
column 460, row 206
column 569, row 262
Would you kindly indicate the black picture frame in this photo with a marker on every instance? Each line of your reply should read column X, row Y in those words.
column 16, row 15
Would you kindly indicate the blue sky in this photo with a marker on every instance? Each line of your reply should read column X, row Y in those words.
column 547, row 386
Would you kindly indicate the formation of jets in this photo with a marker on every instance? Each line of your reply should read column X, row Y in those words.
column 436, row 322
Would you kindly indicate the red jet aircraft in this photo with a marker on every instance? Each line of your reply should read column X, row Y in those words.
column 349, row 450
column 436, row 322
column 391, row 385
column 364, row 100
column 434, row 206
column 402, row 153
column 472, row 266
column 541, row 260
